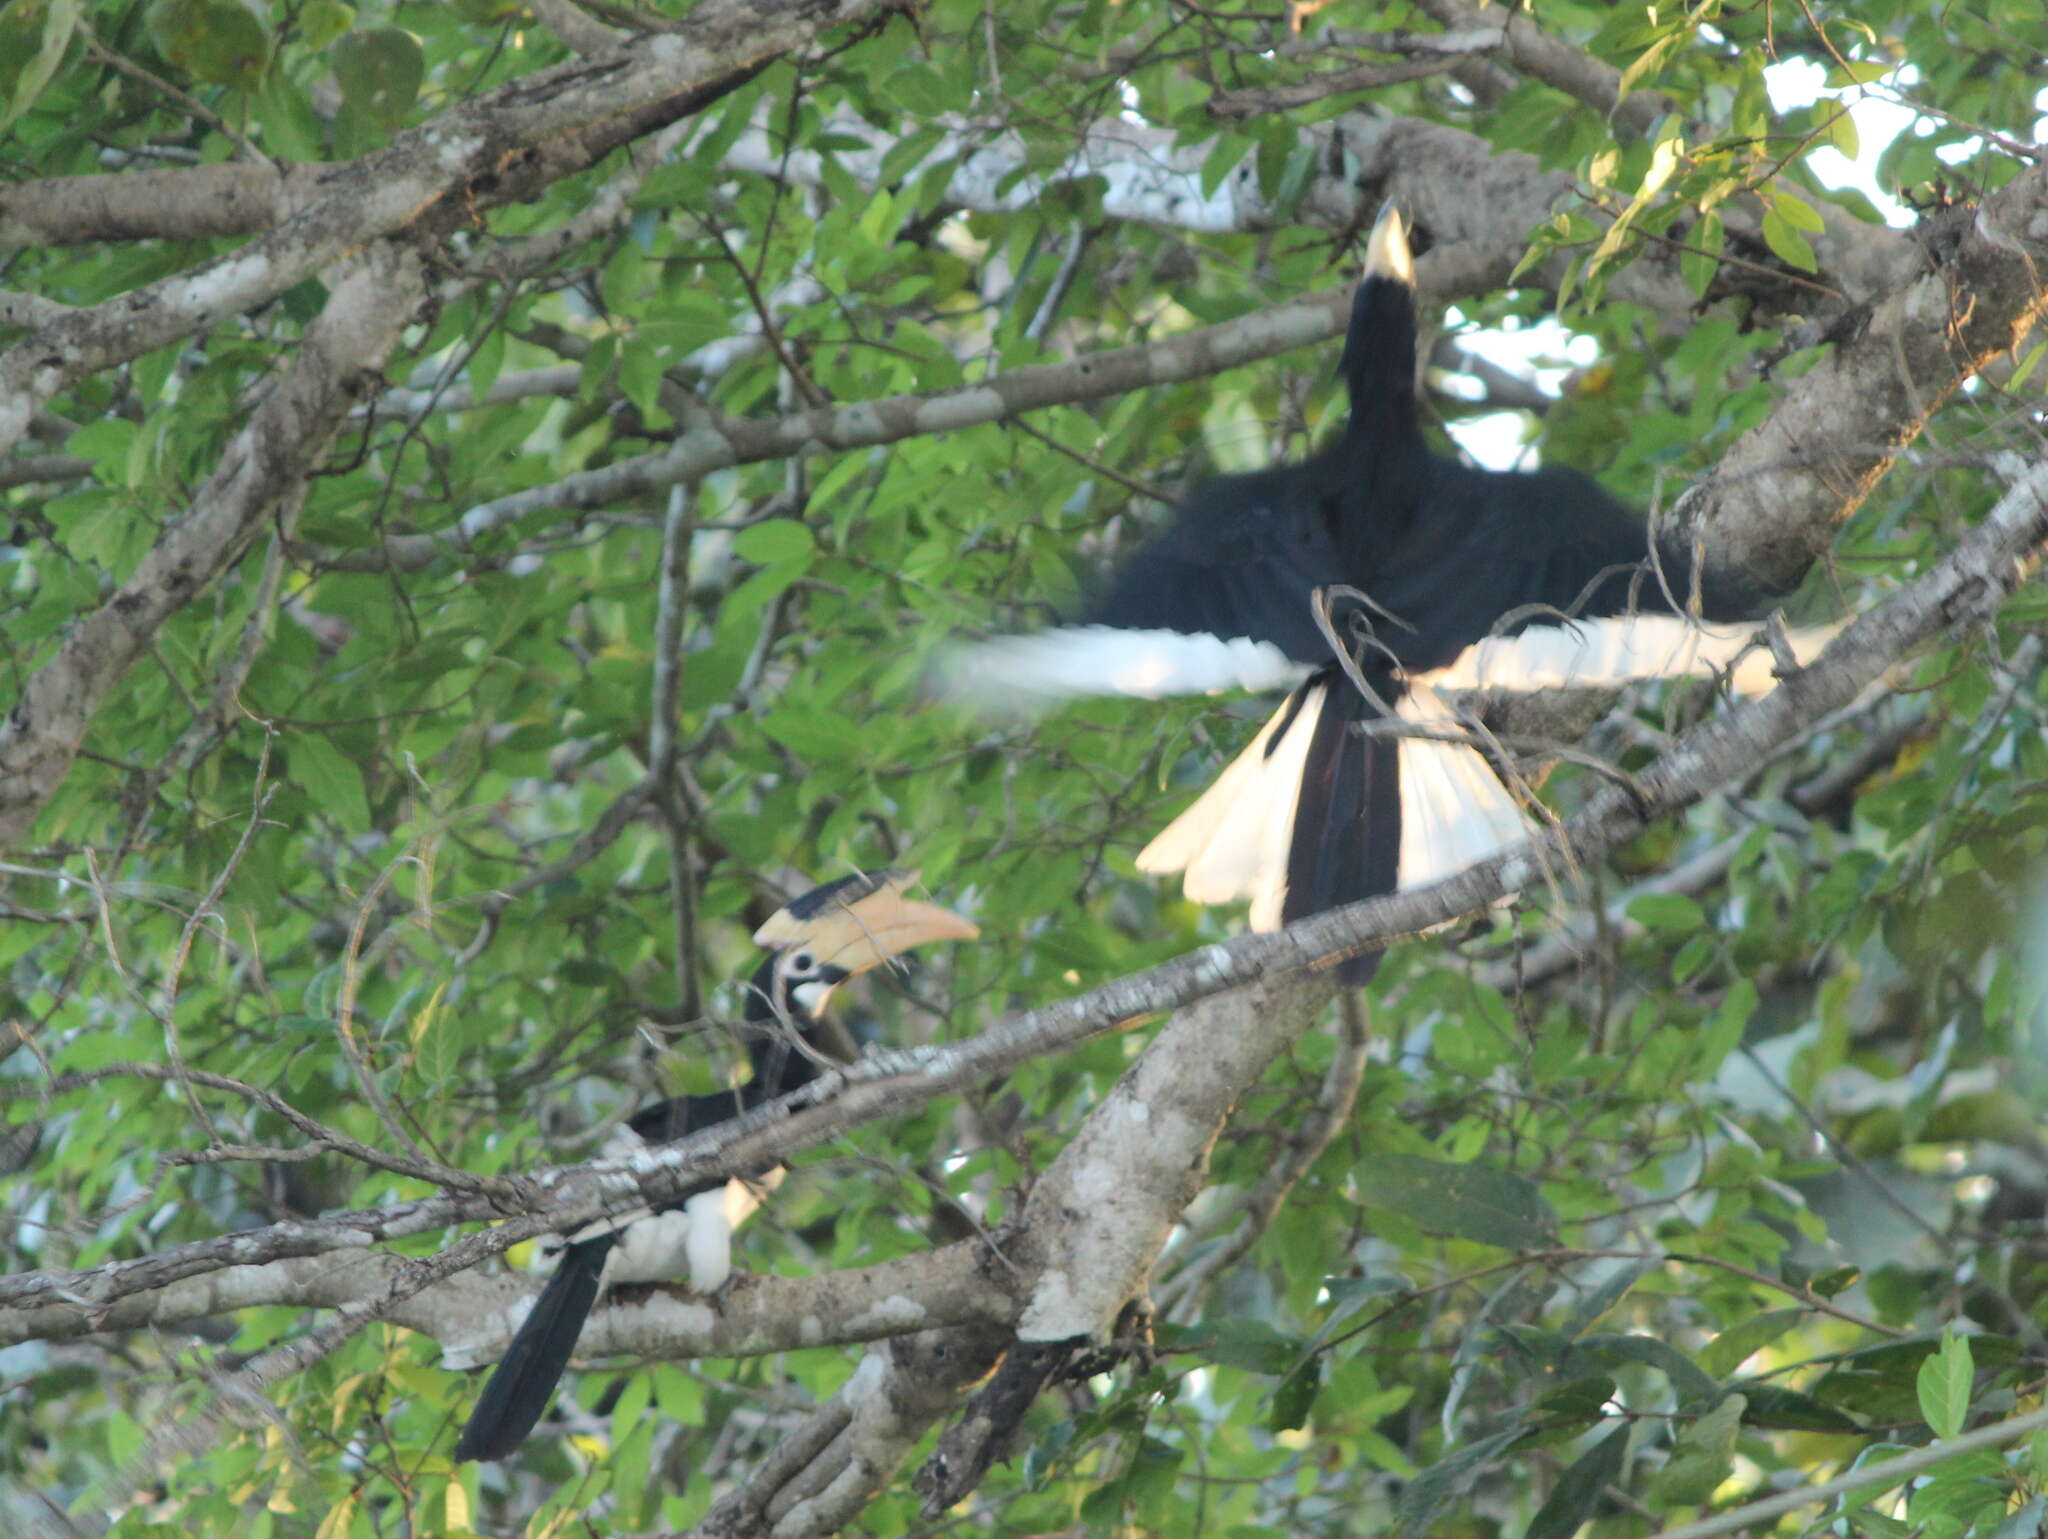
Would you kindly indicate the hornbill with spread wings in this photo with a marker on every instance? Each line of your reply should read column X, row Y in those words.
column 816, row 943
column 1434, row 575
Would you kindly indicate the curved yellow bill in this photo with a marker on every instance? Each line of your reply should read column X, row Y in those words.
column 861, row 921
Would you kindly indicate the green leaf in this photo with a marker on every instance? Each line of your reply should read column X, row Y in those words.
column 1772, row 1405
column 816, row 735
column 1652, row 60
column 1295, row 1396
column 1148, row 1482
column 222, row 42
column 635, row 1395
column 1580, row 1488
column 433, row 1044
column 322, row 21
column 1944, row 1385
column 1728, row 1351
column 1588, row 1311
column 1724, row 1032
column 110, row 444
column 1798, row 213
column 1843, row 135
column 1700, row 263
column 1225, row 156
column 640, row 374
column 333, row 781
column 380, row 71
column 1450, row 1477
column 34, row 36
column 1688, row 1382
column 774, row 539
column 1786, row 243
column 1670, row 912
column 1579, row 1399
column 1704, row 1455
column 1237, row 1342
column 1473, row 1202
column 2026, row 1522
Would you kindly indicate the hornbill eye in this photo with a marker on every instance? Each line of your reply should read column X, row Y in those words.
column 802, row 964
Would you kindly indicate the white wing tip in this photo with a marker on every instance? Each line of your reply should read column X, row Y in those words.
column 1012, row 675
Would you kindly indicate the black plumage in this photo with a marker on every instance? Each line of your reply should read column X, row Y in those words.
column 820, row 939
column 524, row 1381
column 1417, row 558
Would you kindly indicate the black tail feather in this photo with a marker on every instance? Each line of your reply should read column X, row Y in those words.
column 524, row 1381
column 1346, row 843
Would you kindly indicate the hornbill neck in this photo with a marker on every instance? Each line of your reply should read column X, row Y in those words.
column 1375, row 474
column 784, row 1000
column 1379, row 362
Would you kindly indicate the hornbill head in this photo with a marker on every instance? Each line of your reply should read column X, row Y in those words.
column 825, row 936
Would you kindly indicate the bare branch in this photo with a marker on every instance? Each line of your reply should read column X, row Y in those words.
column 1975, row 293
column 713, row 443
column 561, row 119
column 261, row 478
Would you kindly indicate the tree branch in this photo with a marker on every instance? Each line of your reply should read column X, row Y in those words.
column 1974, row 293
column 506, row 144
column 1962, row 590
column 261, row 478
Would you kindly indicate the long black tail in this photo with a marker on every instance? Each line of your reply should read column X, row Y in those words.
column 525, row 1378
column 1346, row 842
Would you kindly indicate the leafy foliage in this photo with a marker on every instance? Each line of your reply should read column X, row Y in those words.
column 1749, row 1197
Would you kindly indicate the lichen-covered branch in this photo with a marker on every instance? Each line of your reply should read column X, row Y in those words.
column 1974, row 290
column 261, row 478
column 507, row 143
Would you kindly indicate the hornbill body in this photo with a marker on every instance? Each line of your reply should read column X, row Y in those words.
column 816, row 943
column 1453, row 577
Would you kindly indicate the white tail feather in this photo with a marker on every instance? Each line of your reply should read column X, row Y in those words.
column 1590, row 653
column 1454, row 809
column 1030, row 673
column 1233, row 842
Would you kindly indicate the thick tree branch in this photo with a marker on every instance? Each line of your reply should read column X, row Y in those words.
column 1977, row 292
column 820, row 1477
column 1253, row 1208
column 508, row 143
column 472, row 1315
column 1554, row 62
column 1098, row 1218
column 261, row 478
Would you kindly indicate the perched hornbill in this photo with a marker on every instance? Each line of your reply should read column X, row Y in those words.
column 1434, row 575
column 816, row 943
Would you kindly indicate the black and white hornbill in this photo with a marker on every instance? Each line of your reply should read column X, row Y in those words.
column 1461, row 579
column 816, row 943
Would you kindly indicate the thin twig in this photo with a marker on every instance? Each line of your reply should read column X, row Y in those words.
column 672, row 596
column 1891, row 1472
column 345, row 1013
column 168, row 1015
